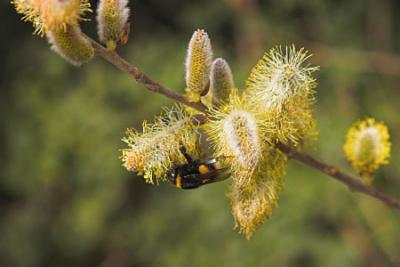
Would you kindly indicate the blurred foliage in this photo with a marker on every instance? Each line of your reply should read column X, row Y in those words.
column 65, row 200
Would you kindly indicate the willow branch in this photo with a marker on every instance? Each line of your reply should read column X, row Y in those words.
column 353, row 184
column 142, row 78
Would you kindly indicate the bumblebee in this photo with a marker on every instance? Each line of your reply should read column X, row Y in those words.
column 196, row 173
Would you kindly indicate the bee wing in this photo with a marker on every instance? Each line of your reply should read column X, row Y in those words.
column 223, row 174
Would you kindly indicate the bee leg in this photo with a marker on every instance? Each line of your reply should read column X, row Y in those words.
column 222, row 177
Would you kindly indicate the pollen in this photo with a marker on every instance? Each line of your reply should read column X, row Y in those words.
column 280, row 74
column 284, row 86
column 238, row 133
column 367, row 147
column 153, row 151
column 203, row 169
column 253, row 203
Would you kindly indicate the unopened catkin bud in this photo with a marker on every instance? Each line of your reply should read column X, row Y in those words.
column 367, row 147
column 221, row 81
column 198, row 65
column 112, row 19
column 71, row 44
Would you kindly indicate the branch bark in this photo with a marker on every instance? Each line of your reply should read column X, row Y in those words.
column 353, row 184
column 142, row 78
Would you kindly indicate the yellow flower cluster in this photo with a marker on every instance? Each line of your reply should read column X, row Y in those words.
column 275, row 107
column 285, row 90
column 253, row 202
column 241, row 135
column 155, row 150
column 59, row 21
column 242, row 129
column 238, row 133
column 52, row 15
column 367, row 147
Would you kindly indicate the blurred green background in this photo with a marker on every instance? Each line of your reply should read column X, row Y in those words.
column 65, row 200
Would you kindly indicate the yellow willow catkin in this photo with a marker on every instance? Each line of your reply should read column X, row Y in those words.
column 155, row 150
column 285, row 90
column 71, row 44
column 198, row 65
column 238, row 133
column 367, row 147
column 52, row 15
column 112, row 18
column 253, row 203
column 221, row 81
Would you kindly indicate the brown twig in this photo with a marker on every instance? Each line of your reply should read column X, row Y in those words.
column 353, row 183
column 142, row 78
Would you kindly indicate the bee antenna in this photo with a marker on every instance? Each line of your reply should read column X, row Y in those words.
column 185, row 154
